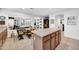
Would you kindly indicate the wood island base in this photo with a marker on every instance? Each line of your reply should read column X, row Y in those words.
column 47, row 39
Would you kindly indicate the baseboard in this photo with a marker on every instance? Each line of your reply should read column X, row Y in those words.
column 71, row 37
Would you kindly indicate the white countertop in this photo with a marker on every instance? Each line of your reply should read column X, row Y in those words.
column 44, row 32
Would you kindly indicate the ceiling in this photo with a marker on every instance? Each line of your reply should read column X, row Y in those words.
column 36, row 11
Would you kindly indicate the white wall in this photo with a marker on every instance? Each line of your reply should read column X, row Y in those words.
column 16, row 15
column 71, row 31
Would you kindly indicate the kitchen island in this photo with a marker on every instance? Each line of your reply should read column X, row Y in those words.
column 46, row 39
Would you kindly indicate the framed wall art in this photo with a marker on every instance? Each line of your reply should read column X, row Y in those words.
column 72, row 20
column 52, row 21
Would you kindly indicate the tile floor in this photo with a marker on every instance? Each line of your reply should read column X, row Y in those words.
column 15, row 44
column 27, row 44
